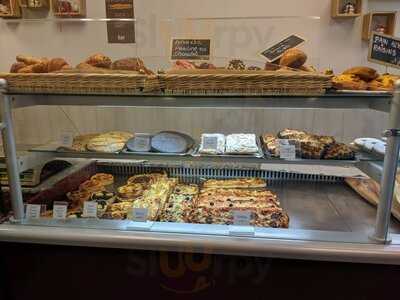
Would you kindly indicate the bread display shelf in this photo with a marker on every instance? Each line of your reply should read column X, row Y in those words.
column 71, row 83
column 246, row 83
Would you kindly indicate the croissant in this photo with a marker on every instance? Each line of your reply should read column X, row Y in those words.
column 30, row 60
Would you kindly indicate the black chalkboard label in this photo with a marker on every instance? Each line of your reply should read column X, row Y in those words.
column 275, row 52
column 385, row 50
column 191, row 49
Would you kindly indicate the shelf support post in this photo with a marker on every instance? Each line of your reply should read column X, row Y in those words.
column 11, row 154
column 389, row 171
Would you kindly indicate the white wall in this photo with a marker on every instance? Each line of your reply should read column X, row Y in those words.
column 331, row 43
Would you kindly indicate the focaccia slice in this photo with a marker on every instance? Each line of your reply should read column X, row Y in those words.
column 235, row 183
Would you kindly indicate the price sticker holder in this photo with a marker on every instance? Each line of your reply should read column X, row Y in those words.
column 89, row 209
column 33, row 214
column 60, row 210
column 241, row 224
column 139, row 220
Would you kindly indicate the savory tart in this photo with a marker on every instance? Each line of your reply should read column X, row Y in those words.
column 103, row 178
column 235, row 183
column 91, row 186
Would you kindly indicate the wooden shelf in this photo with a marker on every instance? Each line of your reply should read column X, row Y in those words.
column 371, row 20
column 338, row 5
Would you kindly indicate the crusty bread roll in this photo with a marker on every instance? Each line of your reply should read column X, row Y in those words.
column 99, row 60
column 128, row 64
column 349, row 82
column 365, row 73
column 56, row 64
column 293, row 58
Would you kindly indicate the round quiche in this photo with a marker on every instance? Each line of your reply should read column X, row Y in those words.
column 103, row 178
column 91, row 186
column 131, row 191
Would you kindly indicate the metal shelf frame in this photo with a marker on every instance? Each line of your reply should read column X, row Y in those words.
column 380, row 102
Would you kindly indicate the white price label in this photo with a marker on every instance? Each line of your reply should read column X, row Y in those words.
column 90, row 209
column 140, row 214
column 287, row 150
column 33, row 211
column 241, row 218
column 60, row 211
column 66, row 139
column 210, row 142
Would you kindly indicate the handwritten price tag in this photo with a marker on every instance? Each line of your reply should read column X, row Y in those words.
column 33, row 211
column 90, row 209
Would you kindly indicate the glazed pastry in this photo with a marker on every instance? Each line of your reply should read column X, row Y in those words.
column 326, row 140
column 37, row 68
column 17, row 66
column 311, row 148
column 349, row 82
column 236, row 64
column 56, row 64
column 289, row 134
column 241, row 144
column 365, row 73
column 271, row 144
column 99, row 60
column 110, row 142
column 293, row 58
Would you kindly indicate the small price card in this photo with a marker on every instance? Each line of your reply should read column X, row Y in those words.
column 33, row 211
column 66, row 139
column 140, row 214
column 90, row 209
column 60, row 210
column 287, row 149
column 241, row 218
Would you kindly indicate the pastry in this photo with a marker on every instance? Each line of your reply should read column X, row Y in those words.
column 349, row 82
column 77, row 198
column 236, row 64
column 339, row 151
column 364, row 73
column 37, row 68
column 212, row 143
column 311, row 147
column 385, row 82
column 271, row 144
column 99, row 60
column 206, row 66
column 183, row 65
column 131, row 191
column 79, row 142
column 30, row 60
column 146, row 179
column 56, row 64
column 289, row 134
column 293, row 58
column 131, row 64
column 110, row 142
column 91, row 186
column 104, row 179
column 241, row 144
column 271, row 67
column 254, row 68
column 17, row 66
column 235, row 183
column 326, row 140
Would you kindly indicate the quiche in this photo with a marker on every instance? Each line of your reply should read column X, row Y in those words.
column 104, row 179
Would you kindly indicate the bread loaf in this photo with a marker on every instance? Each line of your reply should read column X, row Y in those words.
column 293, row 58
column 365, row 73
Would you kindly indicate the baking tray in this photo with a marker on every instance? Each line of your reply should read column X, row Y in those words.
column 259, row 154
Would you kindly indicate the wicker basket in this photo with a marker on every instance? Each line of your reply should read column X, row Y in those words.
column 66, row 83
column 246, row 83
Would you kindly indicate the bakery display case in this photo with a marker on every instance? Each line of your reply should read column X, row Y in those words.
column 277, row 193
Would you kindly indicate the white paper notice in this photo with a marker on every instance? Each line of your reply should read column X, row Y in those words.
column 33, row 211
column 210, row 142
column 140, row 214
column 60, row 211
column 287, row 150
column 90, row 209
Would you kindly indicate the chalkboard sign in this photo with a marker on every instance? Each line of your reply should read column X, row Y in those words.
column 275, row 52
column 190, row 49
column 385, row 50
